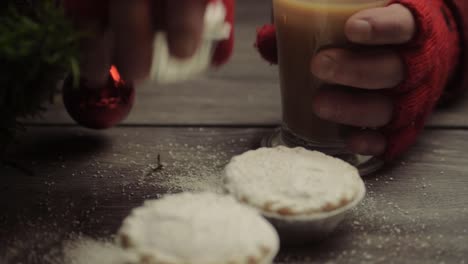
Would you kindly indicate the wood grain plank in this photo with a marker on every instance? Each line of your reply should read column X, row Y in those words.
column 454, row 115
column 86, row 182
column 246, row 91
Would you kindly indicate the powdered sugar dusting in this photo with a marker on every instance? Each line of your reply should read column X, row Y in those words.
column 89, row 251
column 188, row 168
column 199, row 228
column 302, row 181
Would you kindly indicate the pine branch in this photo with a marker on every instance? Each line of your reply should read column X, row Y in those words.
column 38, row 47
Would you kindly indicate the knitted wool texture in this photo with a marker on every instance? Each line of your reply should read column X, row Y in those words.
column 432, row 58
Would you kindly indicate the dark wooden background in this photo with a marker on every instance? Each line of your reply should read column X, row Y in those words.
column 65, row 181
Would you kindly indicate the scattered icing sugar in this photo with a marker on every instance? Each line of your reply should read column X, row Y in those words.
column 188, row 169
column 89, row 251
column 199, row 228
column 296, row 179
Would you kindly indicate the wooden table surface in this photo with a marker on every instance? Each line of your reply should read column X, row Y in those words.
column 68, row 181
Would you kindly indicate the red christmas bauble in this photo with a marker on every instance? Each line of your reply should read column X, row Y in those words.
column 266, row 43
column 102, row 107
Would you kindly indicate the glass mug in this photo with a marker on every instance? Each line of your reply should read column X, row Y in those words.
column 303, row 28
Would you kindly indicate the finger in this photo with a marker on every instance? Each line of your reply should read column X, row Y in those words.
column 79, row 10
column 367, row 70
column 367, row 142
column 96, row 45
column 394, row 24
column 96, row 57
column 133, row 37
column 353, row 108
column 185, row 19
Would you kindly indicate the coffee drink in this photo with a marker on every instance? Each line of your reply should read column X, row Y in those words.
column 304, row 27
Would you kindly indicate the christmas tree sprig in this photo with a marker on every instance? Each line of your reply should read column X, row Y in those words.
column 38, row 46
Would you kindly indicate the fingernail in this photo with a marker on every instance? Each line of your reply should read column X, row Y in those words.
column 359, row 30
column 324, row 67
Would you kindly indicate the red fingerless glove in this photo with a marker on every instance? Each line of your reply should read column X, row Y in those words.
column 430, row 58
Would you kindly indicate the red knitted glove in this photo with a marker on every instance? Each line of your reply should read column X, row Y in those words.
column 430, row 58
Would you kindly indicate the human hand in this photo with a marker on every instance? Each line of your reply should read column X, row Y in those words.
column 371, row 72
column 123, row 33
